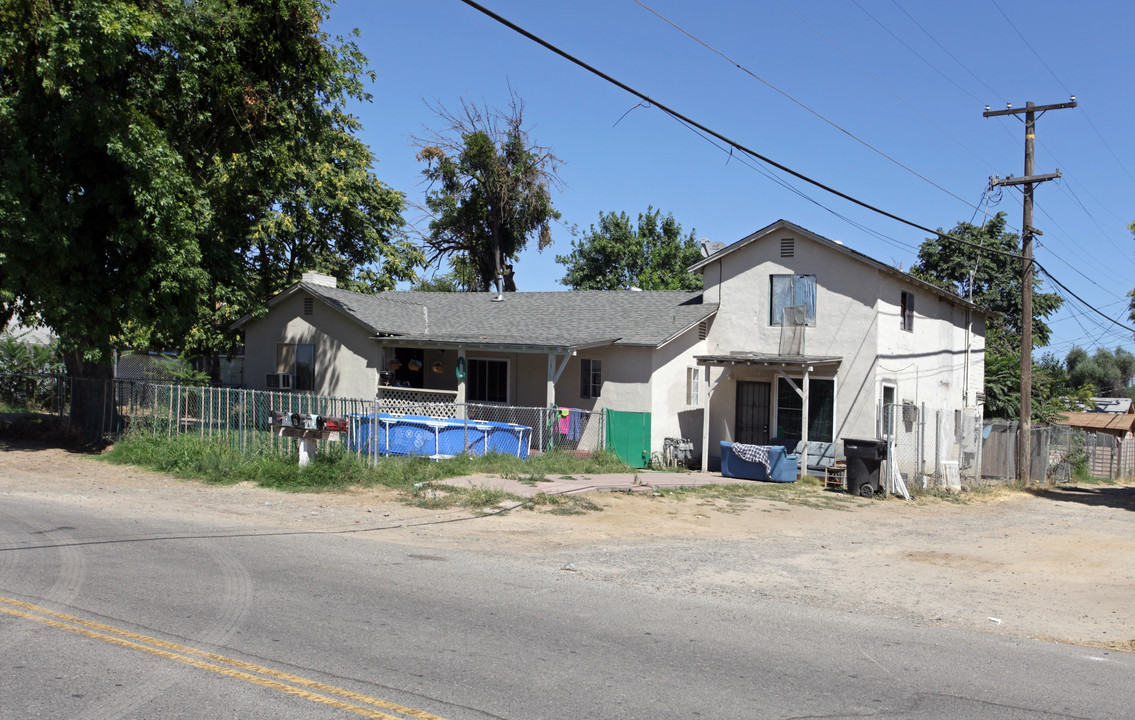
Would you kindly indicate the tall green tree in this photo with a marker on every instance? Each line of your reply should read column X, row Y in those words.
column 489, row 191
column 616, row 255
column 1131, row 293
column 165, row 167
column 991, row 279
column 1110, row 373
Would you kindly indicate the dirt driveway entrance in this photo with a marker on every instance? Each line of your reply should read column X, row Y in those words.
column 1058, row 565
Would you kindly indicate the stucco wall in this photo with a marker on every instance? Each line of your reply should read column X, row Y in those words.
column 857, row 319
column 671, row 417
column 346, row 359
column 626, row 380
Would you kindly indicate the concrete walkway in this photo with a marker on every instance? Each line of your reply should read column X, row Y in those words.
column 642, row 481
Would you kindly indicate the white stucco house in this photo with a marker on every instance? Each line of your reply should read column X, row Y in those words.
column 783, row 313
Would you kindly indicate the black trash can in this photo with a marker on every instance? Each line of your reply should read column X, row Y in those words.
column 863, row 460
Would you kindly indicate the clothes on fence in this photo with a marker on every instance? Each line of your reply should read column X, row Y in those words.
column 754, row 454
column 569, row 423
column 575, row 425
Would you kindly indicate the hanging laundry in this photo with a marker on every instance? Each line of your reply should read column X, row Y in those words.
column 576, row 421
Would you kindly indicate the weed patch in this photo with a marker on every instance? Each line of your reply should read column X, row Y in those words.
column 561, row 504
column 734, row 498
column 437, row 496
column 215, row 461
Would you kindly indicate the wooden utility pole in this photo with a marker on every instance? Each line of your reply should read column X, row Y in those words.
column 1024, row 437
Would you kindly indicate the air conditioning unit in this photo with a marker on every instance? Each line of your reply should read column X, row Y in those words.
column 279, row 381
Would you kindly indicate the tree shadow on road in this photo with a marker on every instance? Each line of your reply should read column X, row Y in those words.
column 1121, row 497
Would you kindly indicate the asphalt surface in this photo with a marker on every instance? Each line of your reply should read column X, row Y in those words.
column 114, row 615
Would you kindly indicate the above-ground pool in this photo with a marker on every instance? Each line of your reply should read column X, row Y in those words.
column 436, row 437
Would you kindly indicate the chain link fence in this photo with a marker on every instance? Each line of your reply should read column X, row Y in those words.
column 948, row 448
column 1103, row 455
column 32, row 393
column 106, row 409
column 934, row 449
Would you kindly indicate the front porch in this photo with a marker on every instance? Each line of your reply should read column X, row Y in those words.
column 776, row 400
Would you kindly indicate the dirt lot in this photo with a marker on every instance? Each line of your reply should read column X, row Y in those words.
column 1058, row 565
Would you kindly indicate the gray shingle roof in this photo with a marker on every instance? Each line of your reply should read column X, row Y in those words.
column 558, row 319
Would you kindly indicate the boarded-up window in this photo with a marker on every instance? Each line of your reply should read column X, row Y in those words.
column 792, row 290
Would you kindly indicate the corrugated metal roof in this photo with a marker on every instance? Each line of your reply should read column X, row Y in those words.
column 1099, row 421
column 1111, row 405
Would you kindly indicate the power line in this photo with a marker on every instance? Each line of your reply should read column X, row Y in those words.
column 1081, row 300
column 913, row 51
column 1061, row 84
column 783, row 168
column 733, row 143
column 900, row 98
column 815, row 112
column 800, row 193
column 943, row 48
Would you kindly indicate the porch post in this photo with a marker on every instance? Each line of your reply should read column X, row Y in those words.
column 550, row 390
column 804, row 423
column 705, row 423
column 459, row 399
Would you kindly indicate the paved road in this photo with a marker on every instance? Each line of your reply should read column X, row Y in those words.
column 106, row 616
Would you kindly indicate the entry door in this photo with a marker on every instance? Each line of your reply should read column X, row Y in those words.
column 752, row 423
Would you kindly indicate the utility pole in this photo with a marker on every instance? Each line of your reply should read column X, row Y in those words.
column 1024, row 437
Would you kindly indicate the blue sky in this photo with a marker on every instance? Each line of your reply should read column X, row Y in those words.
column 909, row 79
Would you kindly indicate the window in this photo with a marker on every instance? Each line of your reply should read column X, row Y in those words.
column 693, row 376
column 789, row 291
column 590, row 378
column 821, row 410
column 487, row 381
column 298, row 360
column 906, row 310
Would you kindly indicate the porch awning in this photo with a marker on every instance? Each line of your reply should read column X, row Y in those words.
column 782, row 364
column 769, row 360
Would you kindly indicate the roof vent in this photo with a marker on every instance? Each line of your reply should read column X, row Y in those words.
column 787, row 247
column 317, row 278
column 308, row 306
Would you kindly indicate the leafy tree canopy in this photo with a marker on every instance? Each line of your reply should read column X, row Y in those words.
column 616, row 255
column 168, row 166
column 1131, row 293
column 489, row 190
column 1109, row 373
column 992, row 279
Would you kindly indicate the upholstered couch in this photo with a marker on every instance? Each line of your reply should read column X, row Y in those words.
column 782, row 465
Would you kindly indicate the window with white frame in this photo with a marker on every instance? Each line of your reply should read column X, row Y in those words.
column 792, row 291
column 298, row 360
column 693, row 383
column 590, row 378
column 486, row 380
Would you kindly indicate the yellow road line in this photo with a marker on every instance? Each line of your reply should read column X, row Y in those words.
column 265, row 682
